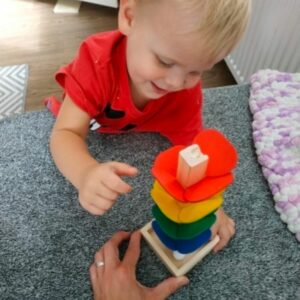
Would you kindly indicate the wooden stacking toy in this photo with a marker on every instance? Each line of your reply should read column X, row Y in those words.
column 187, row 191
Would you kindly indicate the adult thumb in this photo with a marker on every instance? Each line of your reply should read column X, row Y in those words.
column 169, row 286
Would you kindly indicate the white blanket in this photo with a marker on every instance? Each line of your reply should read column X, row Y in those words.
column 275, row 104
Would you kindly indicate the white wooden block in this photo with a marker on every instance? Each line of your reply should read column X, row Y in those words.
column 192, row 165
column 176, row 267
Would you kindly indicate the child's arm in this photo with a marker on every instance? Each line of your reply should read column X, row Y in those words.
column 98, row 184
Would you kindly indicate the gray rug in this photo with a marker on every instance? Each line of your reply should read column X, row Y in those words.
column 47, row 242
column 13, row 84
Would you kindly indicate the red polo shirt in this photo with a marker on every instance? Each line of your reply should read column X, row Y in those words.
column 97, row 81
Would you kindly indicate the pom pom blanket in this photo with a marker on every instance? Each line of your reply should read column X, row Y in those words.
column 275, row 104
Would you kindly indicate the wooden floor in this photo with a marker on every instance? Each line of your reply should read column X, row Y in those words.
column 31, row 33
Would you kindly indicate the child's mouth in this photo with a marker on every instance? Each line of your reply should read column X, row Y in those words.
column 158, row 90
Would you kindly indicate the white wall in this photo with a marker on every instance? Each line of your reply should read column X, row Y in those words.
column 272, row 40
column 111, row 3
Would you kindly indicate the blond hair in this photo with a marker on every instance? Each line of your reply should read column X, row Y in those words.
column 222, row 22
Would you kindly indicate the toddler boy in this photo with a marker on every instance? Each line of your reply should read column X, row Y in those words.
column 143, row 77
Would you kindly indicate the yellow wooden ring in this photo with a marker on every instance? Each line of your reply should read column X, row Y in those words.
column 181, row 212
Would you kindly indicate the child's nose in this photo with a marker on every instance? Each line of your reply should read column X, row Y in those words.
column 176, row 80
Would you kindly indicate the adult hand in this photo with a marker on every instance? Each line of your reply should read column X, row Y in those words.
column 113, row 279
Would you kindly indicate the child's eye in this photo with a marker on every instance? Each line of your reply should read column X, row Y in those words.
column 165, row 64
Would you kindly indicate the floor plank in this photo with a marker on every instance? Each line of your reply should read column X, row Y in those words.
column 31, row 33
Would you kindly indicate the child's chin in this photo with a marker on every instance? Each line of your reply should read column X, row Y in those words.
column 154, row 96
column 158, row 96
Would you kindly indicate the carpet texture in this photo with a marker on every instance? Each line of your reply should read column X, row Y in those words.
column 47, row 241
column 13, row 84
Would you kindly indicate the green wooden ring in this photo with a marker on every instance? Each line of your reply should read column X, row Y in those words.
column 182, row 230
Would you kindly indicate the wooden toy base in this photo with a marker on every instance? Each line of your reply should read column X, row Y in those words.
column 176, row 267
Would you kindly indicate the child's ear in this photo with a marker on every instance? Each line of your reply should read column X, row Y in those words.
column 126, row 15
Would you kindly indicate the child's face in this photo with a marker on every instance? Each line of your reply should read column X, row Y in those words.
column 160, row 57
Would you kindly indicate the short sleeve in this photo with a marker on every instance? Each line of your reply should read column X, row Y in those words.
column 83, row 80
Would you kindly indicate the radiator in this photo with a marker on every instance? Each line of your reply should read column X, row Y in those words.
column 271, row 41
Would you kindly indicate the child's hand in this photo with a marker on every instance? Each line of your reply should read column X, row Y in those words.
column 224, row 227
column 101, row 184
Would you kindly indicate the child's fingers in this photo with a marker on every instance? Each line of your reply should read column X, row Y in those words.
column 104, row 186
column 116, row 184
column 225, row 235
column 105, row 192
column 231, row 230
column 123, row 169
column 223, row 242
column 92, row 209
column 96, row 205
column 232, row 223
column 214, row 230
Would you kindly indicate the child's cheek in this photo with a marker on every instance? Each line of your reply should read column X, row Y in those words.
column 191, row 82
column 151, row 72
